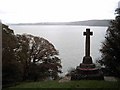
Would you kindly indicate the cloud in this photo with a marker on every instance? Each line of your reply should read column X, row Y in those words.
column 56, row 10
column 119, row 4
column 2, row 12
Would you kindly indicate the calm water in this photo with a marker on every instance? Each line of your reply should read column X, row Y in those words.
column 69, row 40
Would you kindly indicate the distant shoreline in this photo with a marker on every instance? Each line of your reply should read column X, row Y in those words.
column 102, row 23
column 53, row 25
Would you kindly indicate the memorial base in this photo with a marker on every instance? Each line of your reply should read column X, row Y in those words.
column 87, row 72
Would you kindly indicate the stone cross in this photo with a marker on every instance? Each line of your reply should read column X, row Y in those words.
column 87, row 58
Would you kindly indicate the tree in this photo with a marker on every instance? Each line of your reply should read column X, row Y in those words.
column 22, row 54
column 111, row 47
column 27, row 57
column 38, row 53
column 11, row 68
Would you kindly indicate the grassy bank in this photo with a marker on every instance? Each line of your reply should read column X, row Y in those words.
column 70, row 84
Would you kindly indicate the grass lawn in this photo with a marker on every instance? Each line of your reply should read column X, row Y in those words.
column 70, row 84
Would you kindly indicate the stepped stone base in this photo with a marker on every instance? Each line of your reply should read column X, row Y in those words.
column 87, row 72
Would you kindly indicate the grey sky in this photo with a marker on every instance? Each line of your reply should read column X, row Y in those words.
column 23, row 11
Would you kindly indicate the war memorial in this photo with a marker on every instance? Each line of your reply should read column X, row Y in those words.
column 87, row 70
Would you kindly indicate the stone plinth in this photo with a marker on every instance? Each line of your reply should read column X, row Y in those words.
column 87, row 72
column 87, row 69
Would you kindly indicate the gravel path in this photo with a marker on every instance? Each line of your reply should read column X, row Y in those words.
column 110, row 78
column 65, row 79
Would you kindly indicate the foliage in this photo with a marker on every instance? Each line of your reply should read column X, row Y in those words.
column 41, row 55
column 111, row 47
column 11, row 68
column 27, row 57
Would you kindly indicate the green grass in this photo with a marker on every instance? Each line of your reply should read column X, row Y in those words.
column 70, row 84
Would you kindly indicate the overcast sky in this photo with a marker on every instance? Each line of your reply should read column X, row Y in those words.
column 30, row 11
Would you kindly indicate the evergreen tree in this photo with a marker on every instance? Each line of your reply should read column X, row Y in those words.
column 111, row 47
